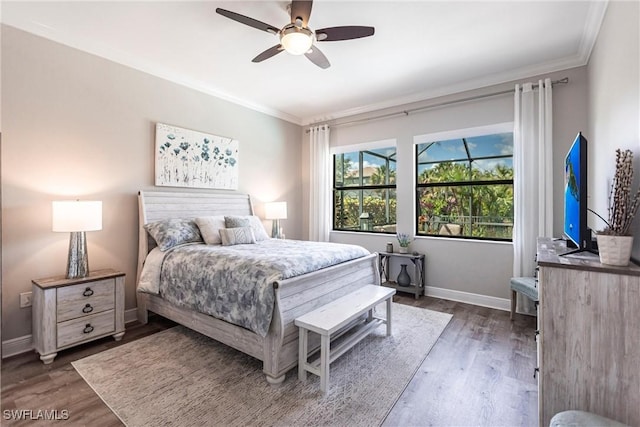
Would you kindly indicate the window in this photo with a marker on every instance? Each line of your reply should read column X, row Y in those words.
column 465, row 187
column 364, row 190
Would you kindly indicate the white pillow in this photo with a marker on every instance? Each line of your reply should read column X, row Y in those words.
column 248, row 220
column 150, row 276
column 210, row 228
column 237, row 236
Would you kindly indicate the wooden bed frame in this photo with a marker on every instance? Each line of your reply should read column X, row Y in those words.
column 293, row 297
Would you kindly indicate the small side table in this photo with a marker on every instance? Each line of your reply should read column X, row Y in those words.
column 68, row 312
column 417, row 286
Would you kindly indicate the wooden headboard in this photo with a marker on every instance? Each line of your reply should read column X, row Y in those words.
column 158, row 205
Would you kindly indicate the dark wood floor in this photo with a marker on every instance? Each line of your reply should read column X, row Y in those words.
column 479, row 373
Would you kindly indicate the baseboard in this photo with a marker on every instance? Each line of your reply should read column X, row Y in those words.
column 130, row 315
column 16, row 346
column 469, row 298
column 24, row 344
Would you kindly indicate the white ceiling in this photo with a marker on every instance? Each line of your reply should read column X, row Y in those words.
column 420, row 49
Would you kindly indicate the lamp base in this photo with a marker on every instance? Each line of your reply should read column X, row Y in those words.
column 275, row 228
column 78, row 259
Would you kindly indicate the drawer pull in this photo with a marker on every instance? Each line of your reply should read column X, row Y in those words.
column 535, row 372
column 87, row 308
column 88, row 292
column 88, row 329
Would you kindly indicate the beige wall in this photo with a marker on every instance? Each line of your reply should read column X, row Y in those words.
column 75, row 125
column 462, row 267
column 78, row 126
column 614, row 104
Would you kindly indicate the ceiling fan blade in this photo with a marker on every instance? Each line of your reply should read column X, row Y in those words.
column 272, row 51
column 333, row 34
column 248, row 21
column 301, row 9
column 317, row 57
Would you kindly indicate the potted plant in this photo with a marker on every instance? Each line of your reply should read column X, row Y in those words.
column 615, row 241
column 403, row 241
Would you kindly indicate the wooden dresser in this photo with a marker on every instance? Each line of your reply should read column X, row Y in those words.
column 589, row 335
column 68, row 312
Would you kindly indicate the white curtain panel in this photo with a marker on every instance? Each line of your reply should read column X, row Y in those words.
column 533, row 175
column 320, row 184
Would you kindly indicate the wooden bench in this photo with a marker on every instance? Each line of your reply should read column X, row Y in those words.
column 332, row 318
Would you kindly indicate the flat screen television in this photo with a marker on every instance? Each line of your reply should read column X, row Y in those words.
column 576, row 231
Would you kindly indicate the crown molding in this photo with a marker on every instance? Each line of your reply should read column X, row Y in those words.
column 595, row 16
column 490, row 80
column 138, row 63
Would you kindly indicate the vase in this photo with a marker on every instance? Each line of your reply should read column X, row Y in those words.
column 403, row 278
column 403, row 249
column 614, row 250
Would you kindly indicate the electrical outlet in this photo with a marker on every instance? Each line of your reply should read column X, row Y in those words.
column 25, row 299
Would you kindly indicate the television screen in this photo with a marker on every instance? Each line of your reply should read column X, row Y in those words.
column 575, row 193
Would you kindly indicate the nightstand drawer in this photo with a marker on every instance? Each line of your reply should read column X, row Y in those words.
column 86, row 328
column 85, row 299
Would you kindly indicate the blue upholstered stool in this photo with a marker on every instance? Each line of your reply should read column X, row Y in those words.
column 527, row 286
column 582, row 419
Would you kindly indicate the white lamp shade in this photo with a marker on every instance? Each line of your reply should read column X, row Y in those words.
column 71, row 216
column 276, row 210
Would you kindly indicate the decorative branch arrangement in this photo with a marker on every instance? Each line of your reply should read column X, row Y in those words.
column 622, row 205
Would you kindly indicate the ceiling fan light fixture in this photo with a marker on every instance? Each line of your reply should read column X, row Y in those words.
column 296, row 41
column 296, row 37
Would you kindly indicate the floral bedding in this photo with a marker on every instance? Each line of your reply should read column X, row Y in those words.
column 235, row 283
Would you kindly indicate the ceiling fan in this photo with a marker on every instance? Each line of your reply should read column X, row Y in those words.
column 296, row 37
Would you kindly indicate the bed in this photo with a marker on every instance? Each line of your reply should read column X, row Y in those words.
column 294, row 296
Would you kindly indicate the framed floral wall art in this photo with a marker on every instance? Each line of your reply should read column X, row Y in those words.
column 187, row 158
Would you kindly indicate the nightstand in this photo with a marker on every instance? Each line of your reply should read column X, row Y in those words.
column 68, row 312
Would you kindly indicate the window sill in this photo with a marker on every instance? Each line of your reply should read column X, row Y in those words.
column 467, row 240
column 419, row 238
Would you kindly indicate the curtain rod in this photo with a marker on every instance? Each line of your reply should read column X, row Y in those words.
column 441, row 104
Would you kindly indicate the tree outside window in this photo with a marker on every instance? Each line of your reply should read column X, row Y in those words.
column 364, row 190
column 465, row 187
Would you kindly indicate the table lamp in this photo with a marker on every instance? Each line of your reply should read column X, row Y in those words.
column 276, row 211
column 76, row 217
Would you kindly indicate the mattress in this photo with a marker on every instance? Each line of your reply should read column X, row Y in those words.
column 235, row 283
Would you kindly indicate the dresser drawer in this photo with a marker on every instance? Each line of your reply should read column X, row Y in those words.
column 86, row 328
column 85, row 299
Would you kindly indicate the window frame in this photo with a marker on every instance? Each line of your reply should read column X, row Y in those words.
column 459, row 134
column 361, row 149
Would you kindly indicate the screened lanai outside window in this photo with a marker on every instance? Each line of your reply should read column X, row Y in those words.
column 364, row 190
column 465, row 187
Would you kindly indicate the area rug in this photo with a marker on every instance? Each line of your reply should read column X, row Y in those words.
column 181, row 378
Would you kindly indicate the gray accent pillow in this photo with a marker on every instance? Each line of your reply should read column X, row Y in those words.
column 172, row 232
column 237, row 236
column 210, row 228
column 236, row 221
column 248, row 221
